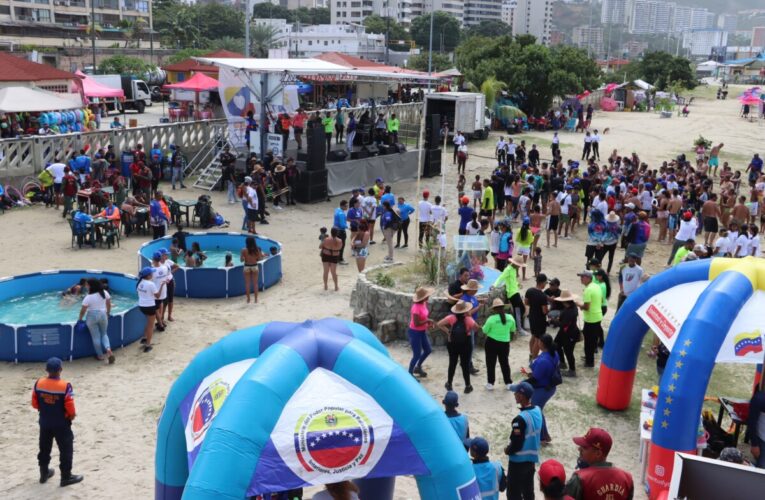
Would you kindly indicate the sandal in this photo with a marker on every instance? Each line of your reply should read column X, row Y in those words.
column 147, row 348
column 111, row 359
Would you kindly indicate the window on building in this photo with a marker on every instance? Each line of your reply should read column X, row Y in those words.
column 310, row 42
column 5, row 10
column 55, row 88
column 325, row 43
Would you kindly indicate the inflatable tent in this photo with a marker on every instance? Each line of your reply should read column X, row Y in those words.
column 705, row 311
column 284, row 405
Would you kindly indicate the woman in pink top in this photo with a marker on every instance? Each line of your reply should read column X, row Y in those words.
column 459, row 327
column 418, row 331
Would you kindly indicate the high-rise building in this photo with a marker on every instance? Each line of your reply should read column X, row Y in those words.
column 614, row 11
column 701, row 42
column 424, row 7
column 354, row 11
column 508, row 8
column 481, row 10
column 758, row 36
column 533, row 17
column 590, row 39
column 650, row 17
column 692, row 18
column 727, row 22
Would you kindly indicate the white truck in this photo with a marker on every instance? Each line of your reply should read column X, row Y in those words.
column 137, row 93
column 464, row 111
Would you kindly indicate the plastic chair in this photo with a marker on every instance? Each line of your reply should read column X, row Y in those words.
column 111, row 234
column 78, row 234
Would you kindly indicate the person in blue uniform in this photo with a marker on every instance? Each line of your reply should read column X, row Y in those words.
column 523, row 449
column 458, row 420
column 490, row 475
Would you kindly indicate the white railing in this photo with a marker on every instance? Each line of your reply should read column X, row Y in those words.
column 29, row 155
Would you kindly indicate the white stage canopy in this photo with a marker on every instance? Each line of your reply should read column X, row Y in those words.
column 28, row 99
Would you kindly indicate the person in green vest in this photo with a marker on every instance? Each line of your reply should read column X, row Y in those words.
column 489, row 474
column 329, row 125
column 592, row 313
column 510, row 278
column 393, row 126
column 683, row 252
column 523, row 449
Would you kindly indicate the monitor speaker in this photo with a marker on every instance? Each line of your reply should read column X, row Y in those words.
column 338, row 155
column 371, row 149
column 359, row 155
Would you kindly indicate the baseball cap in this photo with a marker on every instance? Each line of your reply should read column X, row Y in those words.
column 164, row 251
column 426, row 193
column 585, row 174
column 687, row 215
column 731, row 454
column 465, row 200
column 524, row 388
column 596, row 438
column 634, row 191
column 586, row 273
column 379, row 179
column 247, row 180
column 452, row 399
column 53, row 365
column 146, row 271
column 551, row 469
column 569, row 186
column 479, row 446
column 156, row 256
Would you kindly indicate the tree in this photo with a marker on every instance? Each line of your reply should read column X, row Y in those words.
column 123, row 65
column 262, row 38
column 184, row 54
column 419, row 62
column 663, row 69
column 133, row 30
column 267, row 10
column 445, row 27
column 491, row 28
column 228, row 43
column 490, row 88
column 382, row 25
column 217, row 20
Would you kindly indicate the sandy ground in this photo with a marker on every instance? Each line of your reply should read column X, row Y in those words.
column 118, row 406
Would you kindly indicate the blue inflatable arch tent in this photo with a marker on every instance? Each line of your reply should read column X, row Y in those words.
column 259, row 439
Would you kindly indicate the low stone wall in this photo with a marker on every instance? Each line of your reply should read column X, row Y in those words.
column 385, row 311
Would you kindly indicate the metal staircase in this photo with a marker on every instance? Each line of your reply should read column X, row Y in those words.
column 211, row 175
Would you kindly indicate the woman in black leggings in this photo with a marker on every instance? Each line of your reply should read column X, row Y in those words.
column 458, row 327
column 499, row 328
column 568, row 333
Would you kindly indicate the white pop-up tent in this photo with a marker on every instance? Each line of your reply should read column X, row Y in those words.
column 29, row 99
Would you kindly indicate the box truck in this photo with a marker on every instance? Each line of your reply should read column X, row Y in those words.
column 137, row 93
column 463, row 111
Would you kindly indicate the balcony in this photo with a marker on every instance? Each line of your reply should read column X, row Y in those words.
column 70, row 3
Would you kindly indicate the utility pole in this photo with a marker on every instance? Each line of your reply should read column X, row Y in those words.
column 93, row 31
column 430, row 47
column 387, row 34
column 247, row 18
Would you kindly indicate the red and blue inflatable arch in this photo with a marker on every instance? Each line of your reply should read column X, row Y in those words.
column 681, row 391
column 284, row 405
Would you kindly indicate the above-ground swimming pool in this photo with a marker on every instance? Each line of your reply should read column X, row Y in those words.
column 213, row 280
column 36, row 322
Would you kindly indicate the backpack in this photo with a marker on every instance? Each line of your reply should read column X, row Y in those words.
column 459, row 332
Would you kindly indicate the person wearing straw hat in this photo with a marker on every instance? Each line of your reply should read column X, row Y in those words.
column 568, row 331
column 458, row 327
column 510, row 278
column 418, row 331
column 499, row 328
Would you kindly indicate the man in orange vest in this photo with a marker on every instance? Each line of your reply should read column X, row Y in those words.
column 53, row 398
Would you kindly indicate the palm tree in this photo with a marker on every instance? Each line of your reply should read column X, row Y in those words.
column 133, row 30
column 262, row 38
column 490, row 88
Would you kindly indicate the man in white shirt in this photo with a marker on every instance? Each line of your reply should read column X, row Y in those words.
column 630, row 277
column 501, row 151
column 438, row 214
column 458, row 141
column 687, row 231
column 601, row 204
column 57, row 172
column 252, row 204
column 596, row 145
column 369, row 212
column 511, row 146
column 564, row 199
column 160, row 276
column 424, row 216
column 743, row 243
column 555, row 147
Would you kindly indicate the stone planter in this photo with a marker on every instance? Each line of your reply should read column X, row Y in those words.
column 385, row 311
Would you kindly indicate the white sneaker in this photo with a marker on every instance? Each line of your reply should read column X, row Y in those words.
column 489, row 387
column 278, row 207
column 523, row 333
column 508, row 386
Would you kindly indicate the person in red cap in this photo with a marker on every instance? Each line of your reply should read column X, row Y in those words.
column 600, row 479
column 552, row 480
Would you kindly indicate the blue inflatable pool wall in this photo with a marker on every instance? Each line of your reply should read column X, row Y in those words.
column 38, row 342
column 218, row 282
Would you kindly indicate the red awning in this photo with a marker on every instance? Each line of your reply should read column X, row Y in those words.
column 197, row 83
column 92, row 88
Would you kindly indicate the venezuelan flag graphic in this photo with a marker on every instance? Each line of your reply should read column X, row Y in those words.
column 746, row 343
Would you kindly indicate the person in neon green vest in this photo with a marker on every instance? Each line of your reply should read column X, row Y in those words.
column 329, row 125
column 393, row 126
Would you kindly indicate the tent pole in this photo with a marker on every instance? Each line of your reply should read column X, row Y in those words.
column 442, row 227
column 420, row 147
column 263, row 103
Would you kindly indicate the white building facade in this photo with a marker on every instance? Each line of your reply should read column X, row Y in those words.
column 354, row 11
column 533, row 17
column 476, row 11
column 700, row 43
column 614, row 11
column 590, row 39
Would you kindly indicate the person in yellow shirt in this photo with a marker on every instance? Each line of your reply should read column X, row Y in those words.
column 393, row 126
column 329, row 125
column 487, row 201
column 592, row 314
column 510, row 278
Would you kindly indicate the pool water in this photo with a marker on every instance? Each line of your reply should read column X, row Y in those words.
column 51, row 307
column 216, row 258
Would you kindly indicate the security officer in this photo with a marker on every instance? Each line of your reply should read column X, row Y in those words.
column 490, row 475
column 458, row 421
column 523, row 450
column 53, row 398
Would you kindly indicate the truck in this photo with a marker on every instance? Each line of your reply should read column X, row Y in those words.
column 137, row 93
column 464, row 111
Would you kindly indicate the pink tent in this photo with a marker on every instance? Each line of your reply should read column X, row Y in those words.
column 197, row 83
column 92, row 88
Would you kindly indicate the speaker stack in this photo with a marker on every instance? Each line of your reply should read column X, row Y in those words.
column 311, row 186
column 317, row 149
column 432, row 165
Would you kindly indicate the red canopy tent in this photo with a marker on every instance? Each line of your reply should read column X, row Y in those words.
column 92, row 88
column 197, row 83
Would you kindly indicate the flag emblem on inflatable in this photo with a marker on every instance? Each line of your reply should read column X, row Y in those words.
column 333, row 440
column 746, row 343
column 207, row 406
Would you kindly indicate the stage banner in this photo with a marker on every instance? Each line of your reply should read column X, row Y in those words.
column 666, row 312
column 329, row 431
column 204, row 402
column 237, row 97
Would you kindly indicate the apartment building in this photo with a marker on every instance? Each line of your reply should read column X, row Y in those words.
column 62, row 23
column 700, row 43
column 425, row 7
column 651, row 16
column 533, row 17
column 476, row 11
column 614, row 11
column 590, row 39
column 354, row 11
